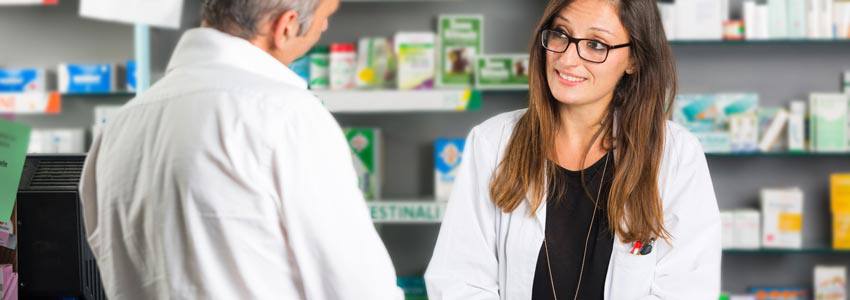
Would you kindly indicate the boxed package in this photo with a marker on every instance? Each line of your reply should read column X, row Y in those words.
column 708, row 117
column 447, row 158
column 461, row 40
column 747, row 229
column 365, row 144
column 132, row 76
column 86, row 78
column 22, row 80
column 416, row 60
column 727, row 229
column 375, row 63
column 707, row 112
column 797, row 126
column 744, row 132
column 301, row 67
column 828, row 122
column 320, row 57
column 830, row 283
column 509, row 71
column 53, row 141
column 782, row 211
column 840, row 208
column 772, row 124
column 715, row 141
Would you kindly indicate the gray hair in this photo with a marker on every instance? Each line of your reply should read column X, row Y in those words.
column 243, row 17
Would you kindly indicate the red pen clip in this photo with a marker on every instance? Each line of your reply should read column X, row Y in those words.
column 636, row 248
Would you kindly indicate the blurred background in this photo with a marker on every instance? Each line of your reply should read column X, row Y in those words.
column 764, row 85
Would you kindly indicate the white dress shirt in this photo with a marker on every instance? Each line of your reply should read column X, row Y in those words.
column 228, row 179
column 484, row 253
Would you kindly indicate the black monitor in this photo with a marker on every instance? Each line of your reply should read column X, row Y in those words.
column 54, row 258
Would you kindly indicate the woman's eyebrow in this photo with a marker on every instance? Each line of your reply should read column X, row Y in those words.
column 595, row 28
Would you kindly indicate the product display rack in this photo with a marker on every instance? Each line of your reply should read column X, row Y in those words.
column 414, row 230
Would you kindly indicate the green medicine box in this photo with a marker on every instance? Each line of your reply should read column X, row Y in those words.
column 461, row 39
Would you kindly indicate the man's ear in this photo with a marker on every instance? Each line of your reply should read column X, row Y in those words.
column 285, row 28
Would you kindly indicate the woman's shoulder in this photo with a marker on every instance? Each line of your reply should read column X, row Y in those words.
column 499, row 127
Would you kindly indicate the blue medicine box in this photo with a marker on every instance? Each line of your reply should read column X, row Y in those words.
column 86, row 78
column 22, row 80
column 131, row 75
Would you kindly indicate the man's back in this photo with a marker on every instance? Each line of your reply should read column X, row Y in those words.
column 214, row 184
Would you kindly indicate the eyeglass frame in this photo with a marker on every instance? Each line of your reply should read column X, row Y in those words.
column 571, row 40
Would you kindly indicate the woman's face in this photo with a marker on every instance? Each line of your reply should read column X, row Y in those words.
column 574, row 81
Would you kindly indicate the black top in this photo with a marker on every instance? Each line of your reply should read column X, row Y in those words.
column 568, row 215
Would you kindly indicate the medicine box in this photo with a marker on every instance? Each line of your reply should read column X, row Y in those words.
column 447, row 159
column 747, row 229
column 497, row 72
column 22, row 80
column 830, row 282
column 86, row 78
column 416, row 56
column 461, row 39
column 782, row 211
column 366, row 145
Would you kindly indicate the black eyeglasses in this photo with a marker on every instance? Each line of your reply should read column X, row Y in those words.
column 588, row 49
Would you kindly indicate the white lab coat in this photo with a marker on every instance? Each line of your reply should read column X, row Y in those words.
column 228, row 179
column 483, row 253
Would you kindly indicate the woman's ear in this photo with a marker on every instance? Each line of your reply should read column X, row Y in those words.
column 630, row 69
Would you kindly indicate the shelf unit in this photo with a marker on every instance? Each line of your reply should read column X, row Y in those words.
column 389, row 101
column 416, row 231
column 806, row 251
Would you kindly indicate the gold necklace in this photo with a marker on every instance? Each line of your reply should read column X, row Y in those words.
column 586, row 239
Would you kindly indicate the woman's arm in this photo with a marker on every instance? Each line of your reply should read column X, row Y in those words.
column 689, row 266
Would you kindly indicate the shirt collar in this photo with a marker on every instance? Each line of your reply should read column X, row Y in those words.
column 203, row 46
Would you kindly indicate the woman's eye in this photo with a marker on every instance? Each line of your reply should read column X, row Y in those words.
column 596, row 45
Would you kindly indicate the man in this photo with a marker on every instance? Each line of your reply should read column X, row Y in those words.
column 228, row 179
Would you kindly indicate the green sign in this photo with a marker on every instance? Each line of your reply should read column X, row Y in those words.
column 14, row 141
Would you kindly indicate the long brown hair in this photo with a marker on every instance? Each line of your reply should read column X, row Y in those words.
column 639, row 111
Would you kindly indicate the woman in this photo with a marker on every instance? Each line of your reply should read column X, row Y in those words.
column 590, row 193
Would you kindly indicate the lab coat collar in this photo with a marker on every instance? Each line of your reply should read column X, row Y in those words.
column 205, row 46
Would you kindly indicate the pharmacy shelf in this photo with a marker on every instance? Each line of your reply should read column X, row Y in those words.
column 784, row 42
column 387, row 101
column 407, row 212
column 100, row 95
column 808, row 251
column 780, row 154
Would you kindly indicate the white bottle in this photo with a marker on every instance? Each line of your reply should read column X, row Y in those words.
column 343, row 66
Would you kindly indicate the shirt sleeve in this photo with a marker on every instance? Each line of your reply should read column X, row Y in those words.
column 336, row 248
column 465, row 264
column 688, row 266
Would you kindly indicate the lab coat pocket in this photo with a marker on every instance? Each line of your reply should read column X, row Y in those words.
column 632, row 275
column 626, row 260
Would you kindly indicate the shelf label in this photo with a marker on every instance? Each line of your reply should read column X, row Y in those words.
column 407, row 212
